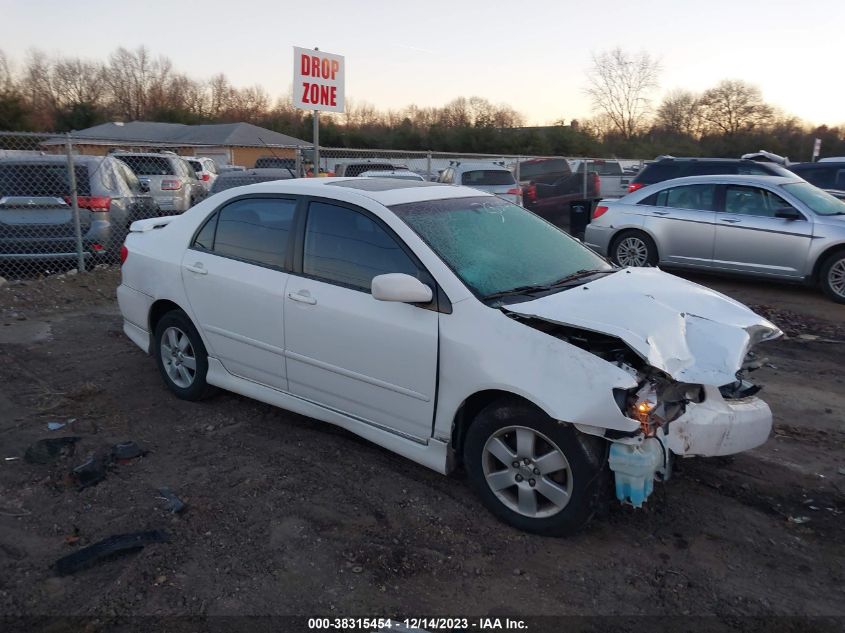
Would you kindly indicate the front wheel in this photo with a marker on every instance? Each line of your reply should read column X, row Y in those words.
column 832, row 277
column 181, row 356
column 634, row 248
column 532, row 472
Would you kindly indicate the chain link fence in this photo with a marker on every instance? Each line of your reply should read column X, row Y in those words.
column 67, row 203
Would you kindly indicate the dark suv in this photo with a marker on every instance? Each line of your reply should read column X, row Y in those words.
column 36, row 215
column 827, row 175
column 668, row 167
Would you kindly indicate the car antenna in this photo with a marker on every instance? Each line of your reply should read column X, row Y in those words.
column 275, row 155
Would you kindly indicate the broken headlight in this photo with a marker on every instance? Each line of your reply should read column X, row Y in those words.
column 658, row 400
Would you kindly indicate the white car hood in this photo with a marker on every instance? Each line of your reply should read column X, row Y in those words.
column 694, row 334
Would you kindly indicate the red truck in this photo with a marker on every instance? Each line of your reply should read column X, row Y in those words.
column 553, row 191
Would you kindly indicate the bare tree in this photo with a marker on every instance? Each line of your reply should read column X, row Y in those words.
column 680, row 112
column 619, row 84
column 735, row 106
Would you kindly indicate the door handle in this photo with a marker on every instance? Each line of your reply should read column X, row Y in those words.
column 660, row 212
column 196, row 268
column 302, row 298
column 729, row 220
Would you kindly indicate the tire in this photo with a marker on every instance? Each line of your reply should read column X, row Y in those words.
column 562, row 459
column 630, row 247
column 832, row 277
column 176, row 341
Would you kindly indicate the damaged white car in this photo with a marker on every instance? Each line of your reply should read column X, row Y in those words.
column 452, row 327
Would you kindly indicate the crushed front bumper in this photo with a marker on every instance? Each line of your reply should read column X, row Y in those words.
column 719, row 427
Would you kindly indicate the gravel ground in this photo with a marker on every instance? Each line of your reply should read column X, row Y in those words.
column 286, row 515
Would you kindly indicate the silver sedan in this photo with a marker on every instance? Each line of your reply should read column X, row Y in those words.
column 767, row 226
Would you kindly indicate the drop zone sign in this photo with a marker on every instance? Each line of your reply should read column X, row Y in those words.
column 318, row 80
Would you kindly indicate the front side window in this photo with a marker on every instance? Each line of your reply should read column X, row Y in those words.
column 753, row 201
column 699, row 197
column 349, row 248
column 494, row 246
column 252, row 229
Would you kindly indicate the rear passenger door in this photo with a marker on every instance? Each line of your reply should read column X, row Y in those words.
column 372, row 360
column 682, row 221
column 749, row 238
column 235, row 276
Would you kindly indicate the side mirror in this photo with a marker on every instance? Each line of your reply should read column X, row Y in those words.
column 144, row 186
column 787, row 213
column 400, row 287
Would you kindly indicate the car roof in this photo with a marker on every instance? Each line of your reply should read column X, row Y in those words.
column 479, row 164
column 727, row 179
column 268, row 172
column 386, row 191
column 819, row 165
column 52, row 158
column 669, row 159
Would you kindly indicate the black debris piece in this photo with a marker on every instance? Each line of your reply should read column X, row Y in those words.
column 49, row 450
column 106, row 549
column 127, row 450
column 91, row 472
column 174, row 503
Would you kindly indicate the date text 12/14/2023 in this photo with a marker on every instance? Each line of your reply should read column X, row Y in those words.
column 376, row 625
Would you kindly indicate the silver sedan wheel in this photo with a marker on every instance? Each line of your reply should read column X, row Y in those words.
column 836, row 277
column 527, row 472
column 177, row 355
column 632, row 251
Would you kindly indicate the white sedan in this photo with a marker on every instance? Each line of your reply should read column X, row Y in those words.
column 452, row 327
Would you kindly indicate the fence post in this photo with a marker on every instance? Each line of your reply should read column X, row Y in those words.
column 585, row 163
column 516, row 169
column 428, row 166
column 298, row 164
column 74, row 201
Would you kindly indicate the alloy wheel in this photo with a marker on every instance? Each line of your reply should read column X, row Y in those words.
column 632, row 251
column 177, row 355
column 836, row 277
column 527, row 471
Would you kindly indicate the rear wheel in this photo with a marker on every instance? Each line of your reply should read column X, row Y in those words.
column 832, row 276
column 181, row 356
column 634, row 248
column 534, row 473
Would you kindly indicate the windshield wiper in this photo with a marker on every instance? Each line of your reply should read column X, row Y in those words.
column 525, row 290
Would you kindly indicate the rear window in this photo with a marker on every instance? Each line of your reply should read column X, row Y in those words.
column 825, row 178
column 42, row 180
column 280, row 163
column 196, row 165
column 149, row 165
column 658, row 172
column 543, row 168
column 355, row 170
column 224, row 181
column 487, row 177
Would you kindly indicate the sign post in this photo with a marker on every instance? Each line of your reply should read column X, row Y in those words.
column 318, row 85
column 817, row 148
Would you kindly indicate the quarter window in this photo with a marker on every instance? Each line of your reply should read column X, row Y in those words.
column 346, row 247
column 753, row 201
column 252, row 229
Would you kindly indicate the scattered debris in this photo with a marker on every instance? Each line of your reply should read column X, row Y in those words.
column 841, row 470
column 49, row 450
column 117, row 544
column 124, row 451
column 55, row 426
column 174, row 503
column 11, row 459
column 90, row 472
column 357, row 569
column 799, row 520
column 18, row 512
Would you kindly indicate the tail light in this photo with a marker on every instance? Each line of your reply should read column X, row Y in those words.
column 599, row 211
column 98, row 204
column 530, row 192
column 206, row 177
column 634, row 186
column 97, row 248
column 124, row 253
column 171, row 185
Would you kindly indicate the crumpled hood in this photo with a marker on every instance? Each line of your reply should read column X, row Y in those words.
column 692, row 333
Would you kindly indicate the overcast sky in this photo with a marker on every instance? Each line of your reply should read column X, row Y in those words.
column 532, row 55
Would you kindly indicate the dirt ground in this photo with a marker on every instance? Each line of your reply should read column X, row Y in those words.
column 287, row 515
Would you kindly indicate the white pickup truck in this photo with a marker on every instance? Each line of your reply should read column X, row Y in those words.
column 614, row 182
